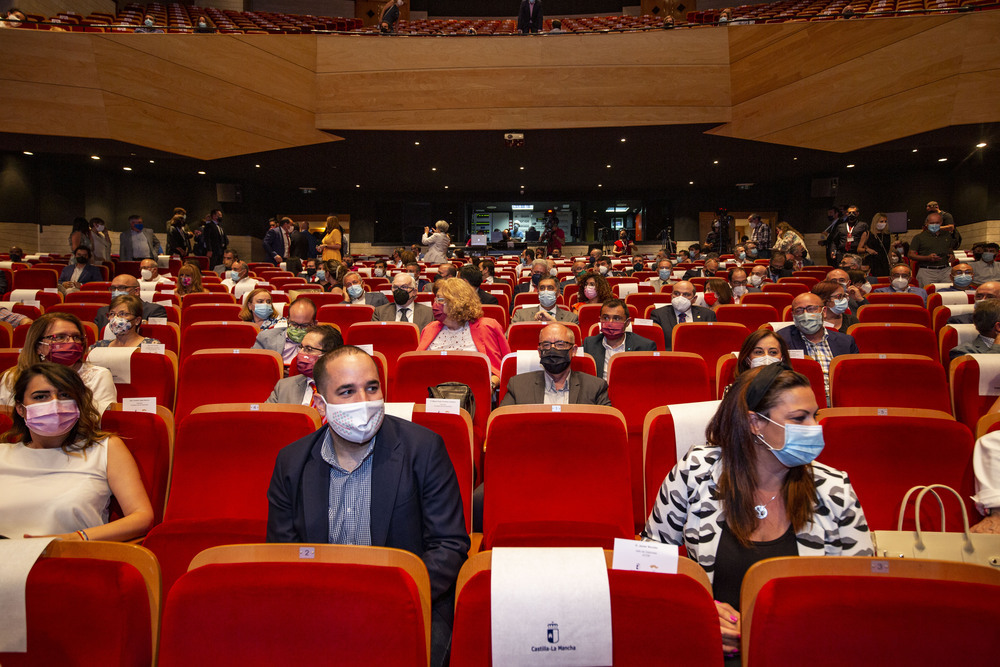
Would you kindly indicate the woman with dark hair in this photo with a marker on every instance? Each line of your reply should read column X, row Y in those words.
column 717, row 293
column 761, row 348
column 59, row 473
column 60, row 338
column 594, row 288
column 80, row 235
column 755, row 491
column 124, row 320
column 835, row 302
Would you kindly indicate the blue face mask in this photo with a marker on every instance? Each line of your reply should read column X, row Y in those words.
column 753, row 252
column 963, row 280
column 115, row 293
column 234, row 276
column 355, row 291
column 989, row 256
column 664, row 274
column 743, row 256
column 138, row 226
column 547, row 299
column 262, row 310
column 803, row 443
column 934, row 229
column 320, row 275
column 839, row 306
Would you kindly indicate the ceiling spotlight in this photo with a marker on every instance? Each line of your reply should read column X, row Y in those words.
column 28, row 153
column 126, row 168
column 152, row 162
column 600, row 185
column 446, row 187
column 434, row 168
column 850, row 166
column 522, row 168
column 623, row 140
column 942, row 159
column 981, row 144
column 914, row 150
column 95, row 157
column 416, row 143
column 715, row 162
column 690, row 182
column 201, row 173
column 257, row 166
column 358, row 185
column 608, row 166
column 794, row 158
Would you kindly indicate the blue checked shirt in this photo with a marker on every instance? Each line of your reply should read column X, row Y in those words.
column 823, row 355
column 350, row 510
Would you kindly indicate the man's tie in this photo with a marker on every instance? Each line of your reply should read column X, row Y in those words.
column 683, row 317
column 402, row 315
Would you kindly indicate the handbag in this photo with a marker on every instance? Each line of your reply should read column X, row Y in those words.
column 964, row 547
column 455, row 390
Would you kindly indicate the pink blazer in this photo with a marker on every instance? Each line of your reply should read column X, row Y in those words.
column 487, row 334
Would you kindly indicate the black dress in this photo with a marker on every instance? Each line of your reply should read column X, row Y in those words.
column 878, row 263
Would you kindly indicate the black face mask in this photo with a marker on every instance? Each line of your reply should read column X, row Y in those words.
column 400, row 296
column 80, row 259
column 555, row 361
column 536, row 278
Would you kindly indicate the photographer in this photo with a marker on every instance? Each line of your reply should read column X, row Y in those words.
column 717, row 240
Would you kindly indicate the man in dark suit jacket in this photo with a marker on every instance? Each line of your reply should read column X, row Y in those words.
column 125, row 284
column 613, row 337
column 539, row 270
column 415, row 503
column 707, row 271
column 669, row 316
column 88, row 272
column 404, row 293
column 986, row 317
column 356, row 293
column 277, row 241
column 215, row 238
column 474, row 277
column 812, row 337
column 556, row 383
column 777, row 268
column 529, row 19
column 299, row 244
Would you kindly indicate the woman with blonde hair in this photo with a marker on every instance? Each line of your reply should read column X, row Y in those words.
column 258, row 309
column 437, row 243
column 333, row 240
column 60, row 338
column 58, row 475
column 788, row 236
column 875, row 245
column 189, row 280
column 460, row 325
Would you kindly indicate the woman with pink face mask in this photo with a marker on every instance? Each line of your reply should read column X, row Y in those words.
column 594, row 288
column 61, row 339
column 58, row 475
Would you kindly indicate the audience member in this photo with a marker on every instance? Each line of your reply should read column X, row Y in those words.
column 556, row 384
column 717, row 293
column 664, row 274
column 149, row 26
column 177, row 238
column 681, row 309
column 539, row 270
column 460, row 325
column 59, row 470
column 760, row 231
column 396, row 473
column 380, row 269
column 932, row 250
column 59, row 338
column 986, row 467
column 546, row 310
column 404, row 307
column 100, row 241
column 14, row 319
column 390, row 15
column 594, row 288
column 901, row 276
column 437, row 243
column 812, row 337
column 125, row 320
column 529, row 18
column 149, row 276
column 354, row 286
column 79, row 234
column 985, row 268
column 189, row 280
column 258, row 309
column 278, row 240
column 777, row 269
column 14, row 18
column 706, row 271
column 286, row 341
column 761, row 348
column 300, row 389
column 986, row 318
column 758, row 472
column 474, row 277
column 758, row 278
column 228, row 258
column 836, row 313
column 138, row 242
column 613, row 337
column 78, row 273
column 738, row 284
column 126, row 284
column 961, row 278
column 875, row 245
column 238, row 280
column 214, row 237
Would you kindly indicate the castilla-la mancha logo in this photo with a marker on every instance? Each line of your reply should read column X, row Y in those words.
column 553, row 633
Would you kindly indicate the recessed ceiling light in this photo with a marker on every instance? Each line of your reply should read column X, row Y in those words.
column 715, row 162
column 623, row 140
column 600, row 185
column 434, row 168
column 201, row 173
column 446, row 187
column 794, row 158
column 914, row 150
column 416, row 143
column 850, row 166
column 981, row 144
column 95, row 157
column 522, row 168
column 358, row 185
column 942, row 159
column 28, row 153
column 152, row 162
column 126, row 168
column 522, row 187
column 257, row 166
column 690, row 182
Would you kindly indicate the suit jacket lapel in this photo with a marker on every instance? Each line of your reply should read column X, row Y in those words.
column 574, row 387
column 316, row 492
column 387, row 466
column 538, row 390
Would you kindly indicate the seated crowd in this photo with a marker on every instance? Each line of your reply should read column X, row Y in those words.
column 757, row 466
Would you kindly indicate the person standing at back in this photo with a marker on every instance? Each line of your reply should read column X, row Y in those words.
column 529, row 18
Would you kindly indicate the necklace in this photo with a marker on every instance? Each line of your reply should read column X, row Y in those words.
column 761, row 510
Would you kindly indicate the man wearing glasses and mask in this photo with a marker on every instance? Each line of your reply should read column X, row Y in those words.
column 813, row 338
column 286, row 342
column 556, row 384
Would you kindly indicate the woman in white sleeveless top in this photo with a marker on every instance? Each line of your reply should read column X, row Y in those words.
column 57, row 479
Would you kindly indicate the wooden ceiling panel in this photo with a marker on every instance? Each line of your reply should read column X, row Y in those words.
column 39, row 108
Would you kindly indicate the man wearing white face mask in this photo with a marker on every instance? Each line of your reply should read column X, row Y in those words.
column 150, row 277
column 371, row 479
column 901, row 275
column 680, row 310
column 814, row 339
column 757, row 278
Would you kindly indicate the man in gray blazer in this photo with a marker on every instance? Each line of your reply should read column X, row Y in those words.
column 300, row 389
column 556, row 384
column 356, row 294
column 679, row 311
column 301, row 315
column 547, row 310
column 138, row 242
column 613, row 337
column 986, row 317
column 404, row 307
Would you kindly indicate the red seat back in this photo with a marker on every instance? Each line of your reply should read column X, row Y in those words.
column 209, row 312
column 524, row 335
column 777, row 300
column 211, row 376
column 751, row 315
column 390, row 338
column 456, row 431
column 896, row 298
column 199, row 298
column 498, row 313
column 149, row 437
column 344, row 315
column 710, row 340
column 788, row 288
column 206, row 335
column 888, row 380
column 35, row 279
column 894, row 338
column 891, row 312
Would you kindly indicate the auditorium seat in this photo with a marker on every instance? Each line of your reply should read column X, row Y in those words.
column 808, row 281
column 524, row 335
column 344, row 315
column 778, row 300
column 35, row 279
column 933, row 604
column 456, row 431
column 200, row 298
column 726, row 373
column 206, row 335
column 6, row 335
column 390, row 338
column 896, row 298
column 751, row 315
column 269, row 604
column 894, row 338
column 107, row 595
column 209, row 312
column 936, row 299
column 888, row 380
column 153, row 375
column 498, row 313
column 579, row 363
column 892, row 312
column 641, row 381
column 103, row 298
column 886, row 451
column 710, row 340
column 44, row 299
column 226, row 374
column 788, row 288
column 223, row 461
column 968, row 398
column 644, row 605
column 8, row 357
column 641, row 301
column 586, row 504
column 169, row 334
column 321, row 298
column 149, row 437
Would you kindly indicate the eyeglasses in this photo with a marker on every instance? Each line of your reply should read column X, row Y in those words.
column 560, row 345
column 123, row 288
column 122, row 313
column 296, row 325
column 309, row 349
column 812, row 310
column 62, row 338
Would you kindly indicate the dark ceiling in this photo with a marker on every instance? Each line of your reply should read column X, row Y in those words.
column 552, row 161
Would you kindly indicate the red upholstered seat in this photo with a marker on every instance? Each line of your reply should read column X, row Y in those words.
column 108, row 596
column 498, row 313
column 209, row 312
column 88, row 296
column 528, row 504
column 788, row 288
column 456, row 431
column 894, row 338
column 34, row 279
column 201, row 298
column 897, row 298
column 643, row 605
column 321, row 298
column 641, row 381
column 390, row 338
column 344, row 315
column 85, row 311
column 169, row 334
column 150, row 438
column 709, row 340
column 886, row 451
column 888, row 380
column 217, row 375
column 642, row 301
column 726, row 373
column 524, row 335
column 366, row 612
column 153, row 375
column 751, row 315
column 892, row 312
column 207, row 335
column 910, row 613
column 968, row 403
column 778, row 300
column 223, row 460
column 579, row 363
